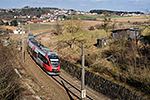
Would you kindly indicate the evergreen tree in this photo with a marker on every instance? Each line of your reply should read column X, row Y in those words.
column 14, row 23
column 1, row 22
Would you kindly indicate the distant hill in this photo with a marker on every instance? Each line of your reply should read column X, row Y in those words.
column 113, row 12
column 8, row 14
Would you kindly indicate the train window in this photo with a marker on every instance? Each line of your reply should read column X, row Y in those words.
column 54, row 60
column 43, row 58
column 34, row 54
column 29, row 48
column 40, row 56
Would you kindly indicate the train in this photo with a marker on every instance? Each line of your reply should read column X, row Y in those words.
column 46, row 58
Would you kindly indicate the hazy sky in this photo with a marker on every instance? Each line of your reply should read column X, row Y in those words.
column 81, row 5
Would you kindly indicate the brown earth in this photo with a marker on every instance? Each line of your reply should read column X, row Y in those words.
column 10, row 27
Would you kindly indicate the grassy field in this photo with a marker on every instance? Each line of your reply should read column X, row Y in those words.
column 39, row 28
column 118, row 18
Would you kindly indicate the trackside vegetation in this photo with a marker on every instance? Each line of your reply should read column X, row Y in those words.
column 9, row 80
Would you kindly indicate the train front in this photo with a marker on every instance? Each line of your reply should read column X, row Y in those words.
column 54, row 62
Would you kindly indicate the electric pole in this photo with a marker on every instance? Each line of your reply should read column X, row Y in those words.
column 18, row 35
column 39, row 27
column 29, row 27
column 83, row 92
column 22, row 46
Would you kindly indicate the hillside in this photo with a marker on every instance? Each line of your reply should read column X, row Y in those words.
column 114, row 12
column 8, row 14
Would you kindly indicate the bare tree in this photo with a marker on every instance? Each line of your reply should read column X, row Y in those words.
column 74, row 28
column 106, row 22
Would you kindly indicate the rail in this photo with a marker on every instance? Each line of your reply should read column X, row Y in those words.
column 62, row 84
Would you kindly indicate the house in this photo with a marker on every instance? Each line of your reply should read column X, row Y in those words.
column 102, row 42
column 7, row 21
column 94, row 13
column 129, row 33
column 37, row 20
column 19, row 31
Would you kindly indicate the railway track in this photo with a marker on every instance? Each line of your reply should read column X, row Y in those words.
column 70, row 88
column 73, row 92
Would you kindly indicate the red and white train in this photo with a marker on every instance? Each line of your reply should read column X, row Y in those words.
column 45, row 57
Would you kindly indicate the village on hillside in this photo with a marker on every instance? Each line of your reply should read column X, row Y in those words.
column 28, row 15
column 54, row 15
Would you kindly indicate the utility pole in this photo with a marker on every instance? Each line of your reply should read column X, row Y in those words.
column 83, row 92
column 22, row 46
column 18, row 35
column 39, row 27
column 29, row 27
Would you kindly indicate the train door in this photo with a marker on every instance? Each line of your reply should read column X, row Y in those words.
column 40, row 59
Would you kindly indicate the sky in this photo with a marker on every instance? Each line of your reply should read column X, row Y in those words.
column 81, row 5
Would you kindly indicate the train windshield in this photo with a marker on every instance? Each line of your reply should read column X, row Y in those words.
column 54, row 60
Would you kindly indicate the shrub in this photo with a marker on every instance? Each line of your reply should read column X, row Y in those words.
column 9, row 83
column 132, row 63
column 99, row 26
column 91, row 28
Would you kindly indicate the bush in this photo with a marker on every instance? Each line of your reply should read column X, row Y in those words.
column 10, row 31
column 9, row 83
column 99, row 26
column 91, row 28
column 132, row 63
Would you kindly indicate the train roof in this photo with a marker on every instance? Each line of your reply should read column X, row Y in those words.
column 34, row 41
column 41, row 47
column 46, row 50
column 30, row 35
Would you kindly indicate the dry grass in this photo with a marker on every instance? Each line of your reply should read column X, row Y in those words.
column 9, row 27
column 131, row 19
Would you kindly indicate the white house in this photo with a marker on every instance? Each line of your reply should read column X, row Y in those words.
column 17, row 31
